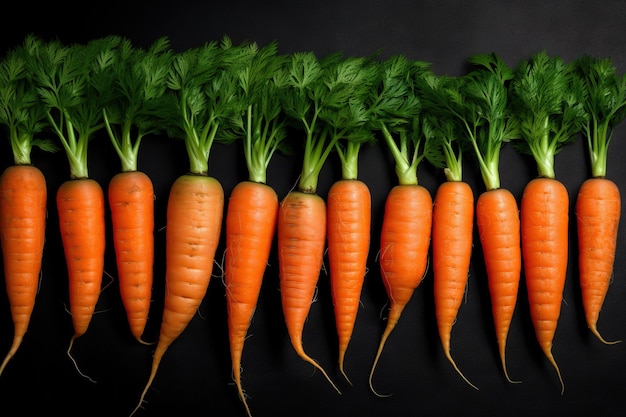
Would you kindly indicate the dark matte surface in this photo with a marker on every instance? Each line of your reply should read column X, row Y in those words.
column 194, row 379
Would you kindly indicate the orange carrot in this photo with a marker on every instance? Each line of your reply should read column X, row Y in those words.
column 23, row 193
column 498, row 222
column 453, row 224
column 250, row 228
column 133, row 113
column 543, row 97
column 598, row 205
column 404, row 243
column 22, row 234
column 131, row 199
column 545, row 222
column 253, row 205
column 196, row 201
column 598, row 209
column 301, row 241
column 80, row 204
column 349, row 224
column 407, row 220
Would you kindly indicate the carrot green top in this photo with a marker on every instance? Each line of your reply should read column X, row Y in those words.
column 396, row 113
column 206, row 103
column 323, row 97
column 139, row 106
column 480, row 100
column 605, row 104
column 20, row 111
column 73, row 82
column 546, row 99
column 262, row 122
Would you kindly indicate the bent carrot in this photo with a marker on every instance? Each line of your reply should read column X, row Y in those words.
column 196, row 201
column 598, row 203
column 23, row 194
column 407, row 220
column 135, row 112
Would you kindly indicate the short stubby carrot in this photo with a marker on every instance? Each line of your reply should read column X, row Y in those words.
column 23, row 199
column 452, row 239
column 404, row 245
column 349, row 225
column 545, row 220
column 80, row 204
column 301, row 239
column 131, row 200
column 598, row 208
column 193, row 226
column 250, row 227
column 498, row 222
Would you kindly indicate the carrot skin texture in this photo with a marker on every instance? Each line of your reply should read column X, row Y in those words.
column 545, row 220
column 349, row 225
column 23, row 197
column 498, row 222
column 404, row 244
column 250, row 227
column 301, row 239
column 452, row 239
column 131, row 200
column 598, row 209
column 80, row 204
column 194, row 220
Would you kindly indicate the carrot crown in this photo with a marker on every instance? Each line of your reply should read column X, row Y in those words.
column 605, row 104
column 140, row 105
column 547, row 102
column 206, row 103
column 20, row 111
column 73, row 83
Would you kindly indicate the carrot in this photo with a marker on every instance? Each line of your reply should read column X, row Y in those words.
column 407, row 220
column 453, row 213
column 253, row 204
column 74, row 115
column 133, row 114
column 316, row 98
column 598, row 204
column 23, row 194
column 196, row 200
column 547, row 106
column 479, row 100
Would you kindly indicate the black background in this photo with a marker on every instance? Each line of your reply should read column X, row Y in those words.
column 195, row 376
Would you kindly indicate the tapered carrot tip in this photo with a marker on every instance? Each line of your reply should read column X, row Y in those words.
column 595, row 331
column 456, row 368
column 391, row 324
column 156, row 360
column 69, row 354
column 548, row 353
column 300, row 351
column 17, row 341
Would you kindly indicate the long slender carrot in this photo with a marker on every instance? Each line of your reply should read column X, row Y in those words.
column 74, row 115
column 453, row 213
column 23, row 194
column 135, row 112
column 479, row 100
column 547, row 104
column 407, row 220
column 598, row 204
column 253, row 204
column 196, row 201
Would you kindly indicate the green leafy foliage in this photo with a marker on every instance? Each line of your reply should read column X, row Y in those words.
column 20, row 112
column 546, row 99
column 140, row 104
column 74, row 84
column 605, row 104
